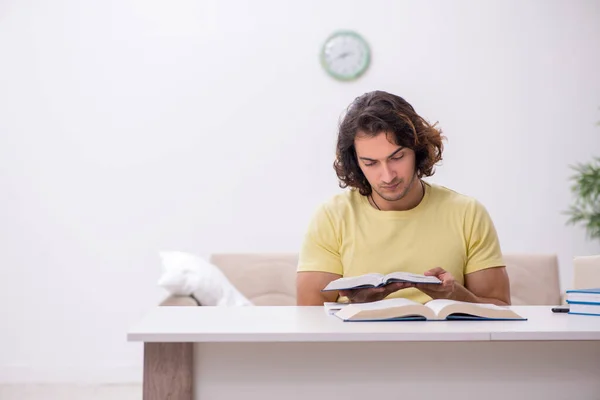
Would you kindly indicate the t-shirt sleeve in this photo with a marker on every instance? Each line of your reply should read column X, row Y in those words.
column 483, row 245
column 320, row 249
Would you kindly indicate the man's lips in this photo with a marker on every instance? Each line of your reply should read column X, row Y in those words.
column 390, row 187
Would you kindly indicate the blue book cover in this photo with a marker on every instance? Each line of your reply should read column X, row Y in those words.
column 586, row 291
column 584, row 313
column 589, row 303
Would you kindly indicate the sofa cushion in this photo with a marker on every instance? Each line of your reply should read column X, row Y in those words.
column 265, row 279
column 534, row 279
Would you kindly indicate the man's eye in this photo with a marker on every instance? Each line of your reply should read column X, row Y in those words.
column 398, row 157
column 369, row 164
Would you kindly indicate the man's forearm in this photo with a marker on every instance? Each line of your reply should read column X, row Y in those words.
column 461, row 293
column 310, row 299
column 309, row 287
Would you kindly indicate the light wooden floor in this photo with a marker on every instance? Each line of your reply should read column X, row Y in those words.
column 71, row 392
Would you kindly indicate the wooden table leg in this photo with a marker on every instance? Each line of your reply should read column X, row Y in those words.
column 168, row 371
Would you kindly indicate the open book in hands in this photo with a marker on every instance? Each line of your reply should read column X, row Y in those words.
column 435, row 310
column 377, row 280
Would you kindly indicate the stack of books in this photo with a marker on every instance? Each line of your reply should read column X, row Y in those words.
column 584, row 301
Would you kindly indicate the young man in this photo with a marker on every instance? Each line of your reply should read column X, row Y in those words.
column 391, row 220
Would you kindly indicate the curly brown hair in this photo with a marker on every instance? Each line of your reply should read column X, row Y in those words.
column 377, row 112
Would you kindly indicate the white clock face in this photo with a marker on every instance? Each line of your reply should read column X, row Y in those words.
column 345, row 55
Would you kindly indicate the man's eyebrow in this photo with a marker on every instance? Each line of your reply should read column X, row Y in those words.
column 391, row 155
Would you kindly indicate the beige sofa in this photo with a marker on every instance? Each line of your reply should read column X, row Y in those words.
column 270, row 279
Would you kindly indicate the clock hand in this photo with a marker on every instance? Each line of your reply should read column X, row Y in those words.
column 343, row 55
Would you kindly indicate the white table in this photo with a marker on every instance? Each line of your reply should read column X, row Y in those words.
column 302, row 353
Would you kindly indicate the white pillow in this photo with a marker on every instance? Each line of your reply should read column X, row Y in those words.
column 185, row 274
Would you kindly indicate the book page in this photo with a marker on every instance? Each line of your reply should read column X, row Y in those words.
column 439, row 304
column 410, row 277
column 395, row 308
column 354, row 281
column 443, row 307
column 489, row 306
column 385, row 303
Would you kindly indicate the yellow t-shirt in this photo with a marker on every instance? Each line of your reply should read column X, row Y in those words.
column 347, row 236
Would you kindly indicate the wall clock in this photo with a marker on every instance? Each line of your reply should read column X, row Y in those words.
column 345, row 55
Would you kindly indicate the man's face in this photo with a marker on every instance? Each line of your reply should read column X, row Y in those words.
column 389, row 168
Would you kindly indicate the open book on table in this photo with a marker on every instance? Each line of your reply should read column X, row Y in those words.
column 377, row 280
column 434, row 310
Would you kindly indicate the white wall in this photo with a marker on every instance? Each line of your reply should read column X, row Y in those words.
column 130, row 127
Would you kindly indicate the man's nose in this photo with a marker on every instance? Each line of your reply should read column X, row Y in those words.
column 387, row 176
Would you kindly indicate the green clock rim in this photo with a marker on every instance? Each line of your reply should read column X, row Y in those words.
column 362, row 70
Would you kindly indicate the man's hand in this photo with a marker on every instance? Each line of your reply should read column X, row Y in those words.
column 368, row 295
column 445, row 290
column 490, row 285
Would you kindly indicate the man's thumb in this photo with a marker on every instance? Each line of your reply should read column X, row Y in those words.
column 434, row 271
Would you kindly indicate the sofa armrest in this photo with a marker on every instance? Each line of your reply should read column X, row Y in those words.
column 179, row 301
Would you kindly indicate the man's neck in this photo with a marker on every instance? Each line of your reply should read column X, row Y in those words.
column 412, row 198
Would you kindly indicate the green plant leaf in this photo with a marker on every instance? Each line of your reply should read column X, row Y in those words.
column 585, row 187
